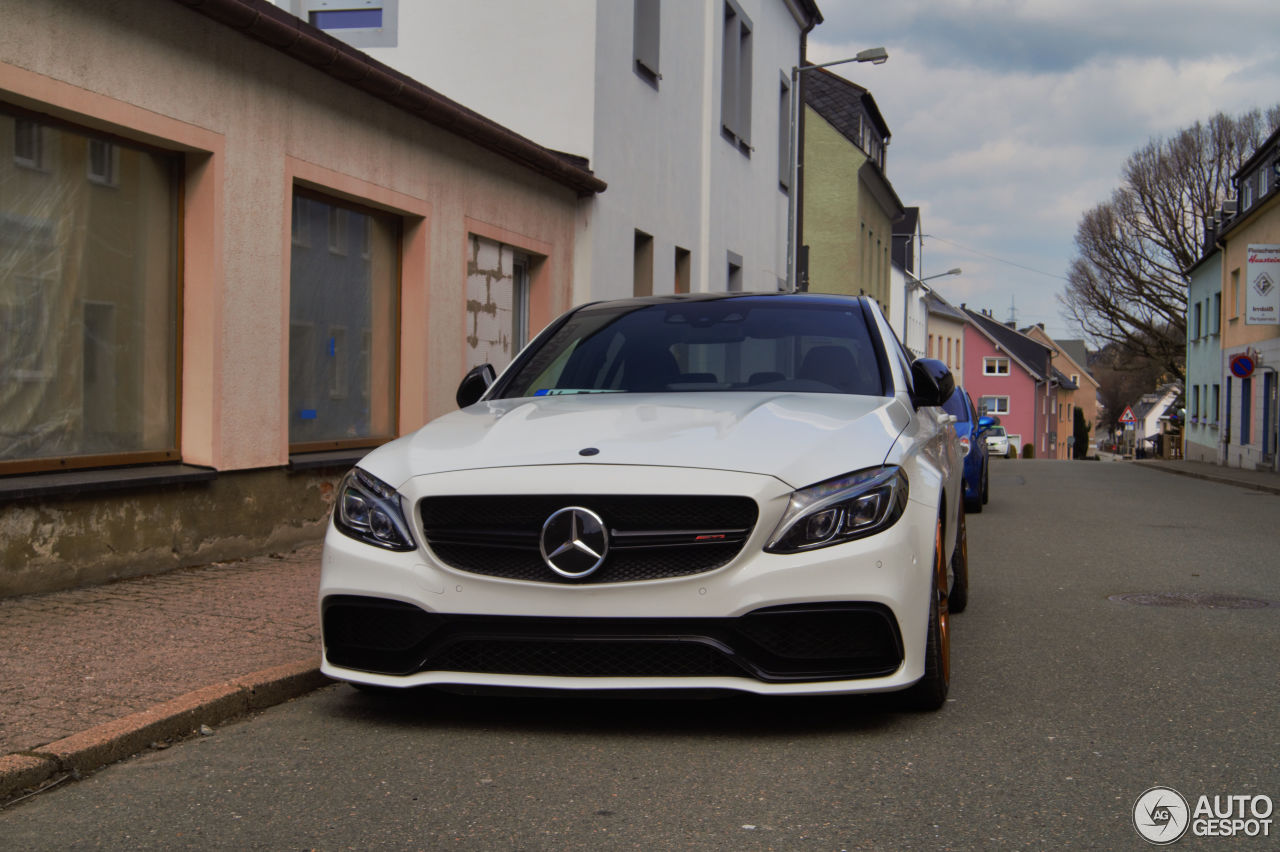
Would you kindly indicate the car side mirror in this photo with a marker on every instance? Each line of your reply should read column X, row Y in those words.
column 474, row 384
column 933, row 382
column 985, row 422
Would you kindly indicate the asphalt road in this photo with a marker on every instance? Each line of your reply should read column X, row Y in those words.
column 1066, row 705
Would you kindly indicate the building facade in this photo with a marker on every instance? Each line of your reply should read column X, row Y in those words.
column 228, row 268
column 680, row 107
column 1250, row 243
column 1009, row 376
column 1204, row 358
column 849, row 205
column 945, row 335
column 1077, row 388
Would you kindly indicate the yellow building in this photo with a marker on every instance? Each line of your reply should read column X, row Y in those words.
column 848, row 205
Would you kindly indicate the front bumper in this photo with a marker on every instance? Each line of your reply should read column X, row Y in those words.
column 847, row 618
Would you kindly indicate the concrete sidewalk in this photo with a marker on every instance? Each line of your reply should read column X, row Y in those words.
column 1257, row 480
column 92, row 675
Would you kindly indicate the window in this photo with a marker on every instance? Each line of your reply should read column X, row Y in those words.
column 1246, row 200
column 360, row 23
column 1195, row 402
column 338, row 358
column 733, row 279
column 995, row 366
column 339, row 230
column 1246, row 410
column 1262, row 181
column 735, row 77
column 89, row 303
column 1235, row 293
column 335, row 297
column 1195, row 325
column 1217, row 401
column 994, row 404
column 646, row 40
column 684, row 264
column 497, row 301
column 103, row 163
column 1215, row 322
column 300, row 226
column 28, row 144
column 642, row 266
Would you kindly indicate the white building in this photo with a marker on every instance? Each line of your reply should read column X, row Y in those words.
column 680, row 107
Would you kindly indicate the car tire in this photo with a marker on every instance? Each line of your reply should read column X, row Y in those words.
column 930, row 692
column 958, row 597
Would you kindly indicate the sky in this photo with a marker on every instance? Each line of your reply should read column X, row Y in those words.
column 1010, row 119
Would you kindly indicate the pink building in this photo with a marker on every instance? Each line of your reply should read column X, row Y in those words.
column 1010, row 377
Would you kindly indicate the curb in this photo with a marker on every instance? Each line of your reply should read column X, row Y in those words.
column 1209, row 477
column 178, row 717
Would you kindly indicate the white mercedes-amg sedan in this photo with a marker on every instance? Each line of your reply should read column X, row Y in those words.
column 757, row 493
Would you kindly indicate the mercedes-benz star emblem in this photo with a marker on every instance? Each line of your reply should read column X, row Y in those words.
column 574, row 542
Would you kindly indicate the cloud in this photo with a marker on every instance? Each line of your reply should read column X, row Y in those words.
column 1010, row 118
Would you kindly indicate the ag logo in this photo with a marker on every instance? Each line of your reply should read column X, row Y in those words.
column 1161, row 816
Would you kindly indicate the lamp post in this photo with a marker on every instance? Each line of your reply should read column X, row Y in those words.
column 874, row 55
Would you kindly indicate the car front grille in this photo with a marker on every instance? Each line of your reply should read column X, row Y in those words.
column 650, row 537
column 811, row 642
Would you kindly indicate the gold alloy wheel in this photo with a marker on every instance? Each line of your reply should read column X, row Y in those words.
column 944, row 613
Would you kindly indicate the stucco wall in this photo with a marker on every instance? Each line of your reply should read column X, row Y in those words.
column 251, row 125
column 1204, row 362
column 1023, row 416
column 1262, row 228
column 848, row 233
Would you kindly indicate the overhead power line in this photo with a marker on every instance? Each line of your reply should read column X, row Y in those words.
column 994, row 257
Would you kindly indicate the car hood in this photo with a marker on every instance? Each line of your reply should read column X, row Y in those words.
column 798, row 438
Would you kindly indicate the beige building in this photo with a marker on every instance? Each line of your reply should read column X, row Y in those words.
column 1250, row 316
column 1080, row 391
column 235, row 254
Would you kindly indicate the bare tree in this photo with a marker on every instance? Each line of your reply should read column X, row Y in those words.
column 1128, row 284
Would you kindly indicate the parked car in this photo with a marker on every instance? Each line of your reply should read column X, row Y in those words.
column 970, row 430
column 758, row 493
column 998, row 442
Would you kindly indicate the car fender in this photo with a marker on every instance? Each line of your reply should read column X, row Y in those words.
column 929, row 453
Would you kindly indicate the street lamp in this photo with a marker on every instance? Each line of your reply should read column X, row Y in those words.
column 955, row 271
column 874, row 55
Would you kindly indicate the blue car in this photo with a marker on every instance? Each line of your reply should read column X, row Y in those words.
column 969, row 429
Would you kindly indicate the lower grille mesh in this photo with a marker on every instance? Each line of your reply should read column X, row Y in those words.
column 779, row 644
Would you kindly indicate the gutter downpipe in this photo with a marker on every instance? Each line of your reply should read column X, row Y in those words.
column 794, row 202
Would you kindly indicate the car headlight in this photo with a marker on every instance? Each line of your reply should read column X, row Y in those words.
column 841, row 509
column 965, row 445
column 369, row 510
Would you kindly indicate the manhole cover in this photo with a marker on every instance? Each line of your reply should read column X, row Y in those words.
column 1200, row 600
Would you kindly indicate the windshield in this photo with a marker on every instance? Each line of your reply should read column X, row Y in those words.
column 997, row 431
column 758, row 344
